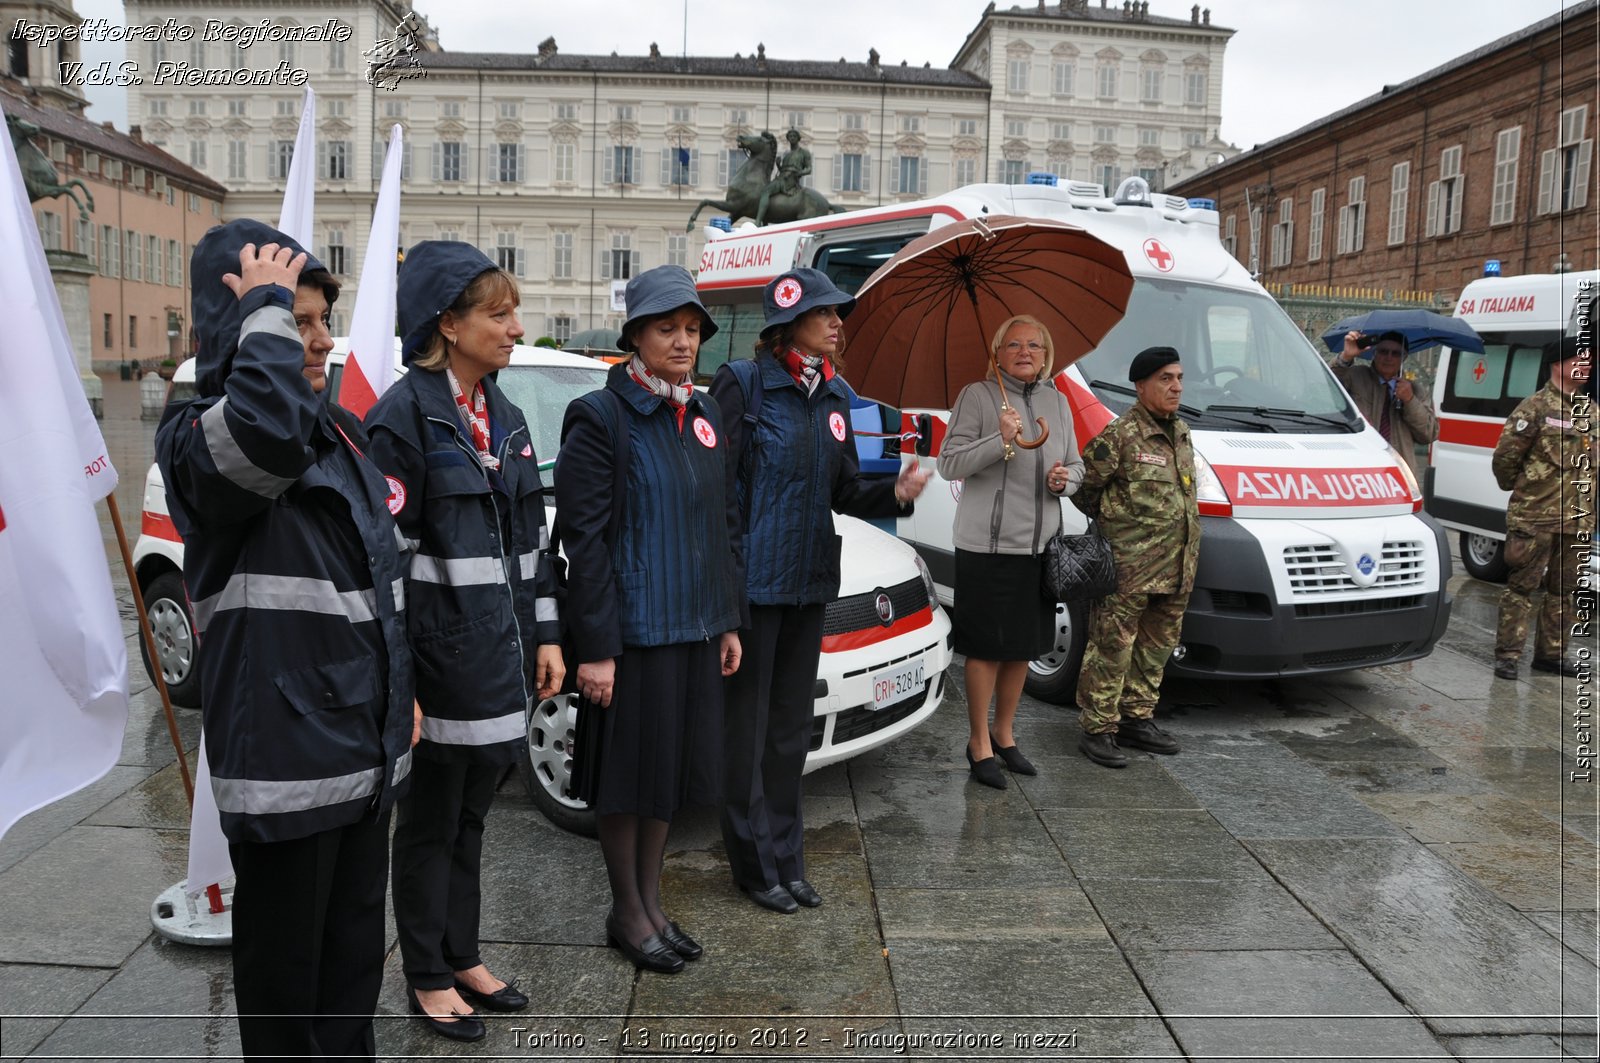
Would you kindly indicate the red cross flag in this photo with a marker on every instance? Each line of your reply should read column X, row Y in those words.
column 370, row 368
column 61, row 647
column 300, row 194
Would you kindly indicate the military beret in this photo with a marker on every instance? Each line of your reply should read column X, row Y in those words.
column 1149, row 360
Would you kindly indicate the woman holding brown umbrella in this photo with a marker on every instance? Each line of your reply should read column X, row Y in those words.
column 1007, row 512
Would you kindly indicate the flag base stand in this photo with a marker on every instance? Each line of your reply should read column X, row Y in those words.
column 188, row 920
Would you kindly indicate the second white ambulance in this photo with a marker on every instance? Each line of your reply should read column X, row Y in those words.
column 1315, row 554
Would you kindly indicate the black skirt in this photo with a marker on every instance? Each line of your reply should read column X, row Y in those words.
column 658, row 746
column 1000, row 612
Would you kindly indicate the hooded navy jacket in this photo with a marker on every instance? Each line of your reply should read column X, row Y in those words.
column 796, row 464
column 293, row 569
column 481, row 592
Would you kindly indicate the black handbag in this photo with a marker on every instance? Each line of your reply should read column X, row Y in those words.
column 1078, row 568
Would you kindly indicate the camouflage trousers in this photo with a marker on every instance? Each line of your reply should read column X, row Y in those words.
column 1556, row 562
column 1131, row 636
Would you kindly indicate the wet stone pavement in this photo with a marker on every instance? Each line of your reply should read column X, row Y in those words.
column 1382, row 864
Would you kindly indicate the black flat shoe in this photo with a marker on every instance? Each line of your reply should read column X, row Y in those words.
column 462, row 1028
column 506, row 998
column 651, row 954
column 804, row 892
column 986, row 771
column 776, row 899
column 1014, row 759
column 681, row 943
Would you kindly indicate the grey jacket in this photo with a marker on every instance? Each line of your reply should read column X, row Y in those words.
column 1005, row 506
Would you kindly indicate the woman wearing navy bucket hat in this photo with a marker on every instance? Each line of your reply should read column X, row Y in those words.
column 652, row 538
column 465, row 491
column 788, row 426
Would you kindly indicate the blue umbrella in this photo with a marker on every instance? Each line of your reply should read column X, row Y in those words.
column 1421, row 328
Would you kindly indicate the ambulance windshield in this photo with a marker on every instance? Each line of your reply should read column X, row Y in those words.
column 1241, row 354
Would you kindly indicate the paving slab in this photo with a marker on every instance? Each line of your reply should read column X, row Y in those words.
column 541, row 885
column 1057, row 915
column 157, row 801
column 84, row 899
column 147, row 741
column 1537, row 875
column 1074, row 781
column 1250, row 1004
column 1474, row 1049
column 39, row 827
column 1006, row 856
column 1431, row 774
column 1354, row 738
column 1456, row 954
column 49, row 992
column 1484, row 818
column 167, row 1000
column 1536, row 774
column 1578, row 931
column 1246, row 910
column 1146, row 844
column 937, row 804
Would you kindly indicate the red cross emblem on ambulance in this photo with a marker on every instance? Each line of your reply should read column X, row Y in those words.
column 1159, row 256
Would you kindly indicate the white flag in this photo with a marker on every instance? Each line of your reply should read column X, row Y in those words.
column 370, row 367
column 301, row 193
column 62, row 654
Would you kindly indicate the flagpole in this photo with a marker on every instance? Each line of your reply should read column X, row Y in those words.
column 150, row 646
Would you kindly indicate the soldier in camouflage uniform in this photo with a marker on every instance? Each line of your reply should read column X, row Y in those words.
column 1546, row 458
column 1139, row 484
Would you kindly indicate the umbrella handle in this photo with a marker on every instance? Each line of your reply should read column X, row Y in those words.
column 1038, row 441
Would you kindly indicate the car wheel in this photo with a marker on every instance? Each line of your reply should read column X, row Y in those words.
column 548, row 767
column 168, row 609
column 1484, row 557
column 1054, row 677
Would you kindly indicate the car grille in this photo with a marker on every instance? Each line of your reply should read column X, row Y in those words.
column 1316, row 569
column 859, row 612
column 1313, row 610
column 1355, row 656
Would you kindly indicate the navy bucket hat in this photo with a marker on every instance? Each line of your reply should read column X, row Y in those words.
column 431, row 279
column 661, row 291
column 799, row 290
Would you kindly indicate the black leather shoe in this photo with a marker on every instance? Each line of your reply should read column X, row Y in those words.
column 1015, row 761
column 1505, row 669
column 803, row 892
column 507, row 998
column 776, row 899
column 461, row 1028
column 1555, row 665
column 651, row 954
column 986, row 771
column 1102, row 749
column 1145, row 735
column 681, row 943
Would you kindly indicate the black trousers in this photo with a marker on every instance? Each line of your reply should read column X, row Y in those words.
column 766, row 732
column 308, row 927
column 438, row 847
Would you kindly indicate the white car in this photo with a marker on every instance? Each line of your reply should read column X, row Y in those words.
column 886, row 640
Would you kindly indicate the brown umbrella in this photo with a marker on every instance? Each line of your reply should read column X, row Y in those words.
column 923, row 322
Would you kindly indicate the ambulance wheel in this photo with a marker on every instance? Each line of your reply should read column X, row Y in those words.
column 168, row 609
column 1484, row 557
column 1054, row 676
column 547, row 769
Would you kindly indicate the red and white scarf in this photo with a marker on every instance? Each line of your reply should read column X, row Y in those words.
column 475, row 415
column 675, row 395
column 808, row 370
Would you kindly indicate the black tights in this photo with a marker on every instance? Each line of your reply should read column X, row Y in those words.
column 635, row 848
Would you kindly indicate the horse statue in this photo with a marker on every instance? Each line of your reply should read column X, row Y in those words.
column 745, row 187
column 39, row 174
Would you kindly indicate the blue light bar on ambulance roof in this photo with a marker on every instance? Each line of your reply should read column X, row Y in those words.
column 1203, row 204
column 725, row 224
column 1042, row 178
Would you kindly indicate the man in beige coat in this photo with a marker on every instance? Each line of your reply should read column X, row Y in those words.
column 1398, row 408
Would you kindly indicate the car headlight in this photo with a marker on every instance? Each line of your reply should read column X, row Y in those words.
column 1209, row 492
column 927, row 579
column 1409, row 477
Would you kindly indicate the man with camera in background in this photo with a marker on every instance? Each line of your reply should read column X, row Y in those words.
column 1398, row 408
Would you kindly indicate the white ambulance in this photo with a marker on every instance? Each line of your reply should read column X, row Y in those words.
column 1316, row 555
column 1515, row 317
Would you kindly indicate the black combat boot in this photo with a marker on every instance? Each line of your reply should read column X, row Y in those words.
column 1144, row 734
column 1505, row 668
column 1102, row 749
column 1555, row 665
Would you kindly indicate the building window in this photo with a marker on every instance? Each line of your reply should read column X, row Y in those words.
column 1151, row 79
column 849, row 172
column 393, row 109
column 1109, row 176
column 336, row 56
column 507, row 252
column 728, row 163
column 508, row 163
column 683, row 115
column 1060, row 130
column 105, row 330
column 447, row 162
column 510, row 111
column 1319, row 206
column 563, row 162
column 152, row 255
column 1062, row 76
column 333, row 251
column 238, row 153
column 174, row 264
column 1017, row 77
column 1193, row 138
column 336, row 108
column 1195, row 87
column 133, row 332
column 1283, row 234
column 335, row 159
column 1150, row 175
column 1105, row 134
column 197, row 108
column 1564, row 169
column 966, row 172
column 50, row 230
column 680, row 166
column 1230, row 235
column 738, row 116
column 677, row 249
column 566, row 112
column 967, row 127
column 282, row 154
column 623, row 261
column 156, row 108
column 110, row 251
column 194, row 203
column 561, row 242
column 286, row 54
column 858, row 122
column 83, row 238
column 1507, row 148
column 911, row 176
column 560, row 328
column 911, row 123
column 286, row 108
column 1149, row 138
column 238, row 108
column 1016, row 127
column 449, row 108
column 1399, row 193
column 794, row 119
column 133, row 258
column 197, row 154
column 1013, row 171
column 1445, row 195
column 1352, row 234
column 622, row 165
column 1108, row 79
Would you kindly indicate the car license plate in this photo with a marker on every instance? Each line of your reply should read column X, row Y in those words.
column 897, row 684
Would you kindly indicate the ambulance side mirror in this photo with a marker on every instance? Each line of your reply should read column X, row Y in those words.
column 924, row 443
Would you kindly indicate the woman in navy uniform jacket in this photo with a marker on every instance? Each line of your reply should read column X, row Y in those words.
column 294, row 569
column 651, row 600
column 464, row 487
column 789, row 438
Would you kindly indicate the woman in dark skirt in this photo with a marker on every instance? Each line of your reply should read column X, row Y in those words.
column 1007, row 513
column 651, row 600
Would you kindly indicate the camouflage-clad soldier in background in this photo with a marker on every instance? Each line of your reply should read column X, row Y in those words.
column 1546, row 458
column 1139, row 484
